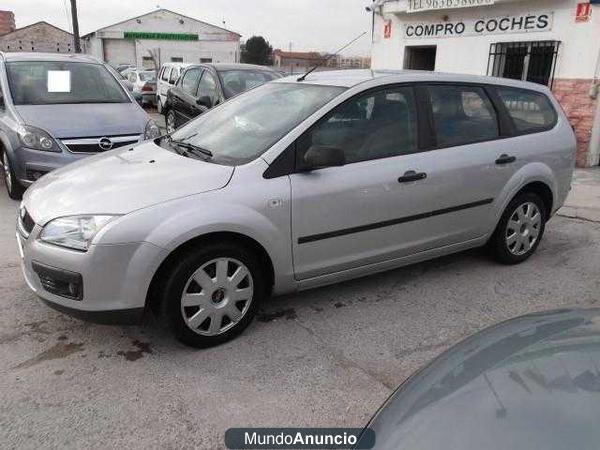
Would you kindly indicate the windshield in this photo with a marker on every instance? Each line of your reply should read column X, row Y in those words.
column 241, row 129
column 148, row 76
column 50, row 82
column 237, row 81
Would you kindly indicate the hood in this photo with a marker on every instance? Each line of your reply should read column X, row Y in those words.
column 121, row 181
column 85, row 120
column 530, row 382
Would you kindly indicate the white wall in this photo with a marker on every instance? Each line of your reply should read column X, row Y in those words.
column 214, row 42
column 580, row 42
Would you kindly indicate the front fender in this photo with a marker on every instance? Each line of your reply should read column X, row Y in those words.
column 172, row 224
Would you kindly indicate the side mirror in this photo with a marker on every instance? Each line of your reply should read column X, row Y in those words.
column 205, row 100
column 320, row 157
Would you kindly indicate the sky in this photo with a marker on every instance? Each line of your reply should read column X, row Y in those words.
column 320, row 25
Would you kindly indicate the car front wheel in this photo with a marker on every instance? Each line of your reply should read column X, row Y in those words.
column 520, row 229
column 212, row 294
column 170, row 121
column 13, row 187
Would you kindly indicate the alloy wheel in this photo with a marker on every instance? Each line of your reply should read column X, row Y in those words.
column 217, row 296
column 523, row 228
column 170, row 121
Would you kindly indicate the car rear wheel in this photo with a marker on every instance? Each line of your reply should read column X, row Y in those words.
column 520, row 229
column 212, row 294
column 170, row 121
column 13, row 187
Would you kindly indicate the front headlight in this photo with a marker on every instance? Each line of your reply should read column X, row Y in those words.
column 152, row 131
column 74, row 232
column 37, row 139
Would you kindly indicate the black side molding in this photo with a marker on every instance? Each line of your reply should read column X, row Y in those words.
column 388, row 223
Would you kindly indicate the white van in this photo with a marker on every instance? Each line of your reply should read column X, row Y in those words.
column 167, row 76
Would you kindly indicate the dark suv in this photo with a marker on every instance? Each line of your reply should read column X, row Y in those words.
column 200, row 87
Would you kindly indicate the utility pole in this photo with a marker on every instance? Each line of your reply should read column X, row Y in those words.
column 76, row 40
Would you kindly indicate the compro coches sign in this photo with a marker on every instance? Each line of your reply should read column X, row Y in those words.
column 524, row 23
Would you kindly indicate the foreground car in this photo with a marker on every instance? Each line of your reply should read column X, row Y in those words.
column 200, row 87
column 56, row 109
column 529, row 383
column 297, row 184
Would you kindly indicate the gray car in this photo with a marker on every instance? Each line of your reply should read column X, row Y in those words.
column 56, row 109
column 532, row 382
column 296, row 184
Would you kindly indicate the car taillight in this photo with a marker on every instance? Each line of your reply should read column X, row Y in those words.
column 147, row 87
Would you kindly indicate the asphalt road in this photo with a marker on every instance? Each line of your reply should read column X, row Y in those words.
column 327, row 357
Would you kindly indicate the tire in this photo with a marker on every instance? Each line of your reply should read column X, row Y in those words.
column 208, row 317
column 170, row 121
column 520, row 229
column 13, row 187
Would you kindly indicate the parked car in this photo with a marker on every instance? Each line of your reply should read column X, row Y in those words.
column 129, row 86
column 56, row 109
column 144, row 84
column 298, row 183
column 123, row 67
column 200, row 87
column 528, row 383
column 167, row 77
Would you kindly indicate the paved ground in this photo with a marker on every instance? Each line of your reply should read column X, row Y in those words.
column 327, row 357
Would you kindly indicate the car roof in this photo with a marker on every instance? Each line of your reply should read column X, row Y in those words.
column 352, row 77
column 176, row 64
column 58, row 57
column 219, row 67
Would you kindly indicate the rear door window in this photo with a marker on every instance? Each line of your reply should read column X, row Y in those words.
column 174, row 75
column 189, row 84
column 462, row 115
column 530, row 111
column 166, row 72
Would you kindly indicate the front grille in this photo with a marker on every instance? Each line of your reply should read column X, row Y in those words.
column 27, row 222
column 99, row 144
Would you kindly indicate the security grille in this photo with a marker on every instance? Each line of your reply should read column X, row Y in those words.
column 528, row 61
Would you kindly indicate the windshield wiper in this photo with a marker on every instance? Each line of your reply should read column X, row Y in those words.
column 193, row 149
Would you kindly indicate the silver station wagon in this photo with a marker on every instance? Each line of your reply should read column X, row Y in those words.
column 296, row 184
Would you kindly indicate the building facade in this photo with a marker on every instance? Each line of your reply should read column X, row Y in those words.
column 7, row 22
column 37, row 37
column 295, row 62
column 162, row 36
column 552, row 42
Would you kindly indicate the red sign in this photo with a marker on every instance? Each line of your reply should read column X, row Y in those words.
column 387, row 29
column 584, row 12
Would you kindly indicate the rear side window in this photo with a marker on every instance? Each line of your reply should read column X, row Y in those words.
column 462, row 115
column 530, row 111
column 166, row 71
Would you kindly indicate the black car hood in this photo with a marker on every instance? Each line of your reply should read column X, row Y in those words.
column 529, row 383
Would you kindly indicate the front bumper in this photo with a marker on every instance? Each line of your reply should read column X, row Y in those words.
column 114, row 278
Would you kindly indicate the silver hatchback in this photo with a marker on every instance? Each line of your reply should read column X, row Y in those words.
column 295, row 184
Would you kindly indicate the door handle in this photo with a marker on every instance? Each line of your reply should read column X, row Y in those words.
column 506, row 159
column 411, row 175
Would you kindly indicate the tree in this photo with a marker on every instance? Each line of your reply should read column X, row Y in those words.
column 257, row 50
